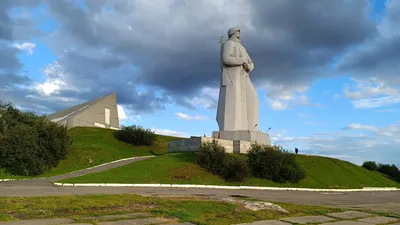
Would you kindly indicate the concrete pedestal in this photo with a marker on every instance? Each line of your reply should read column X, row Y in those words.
column 243, row 135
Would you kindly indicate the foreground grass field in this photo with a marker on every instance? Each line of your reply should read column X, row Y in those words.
column 197, row 211
column 180, row 168
column 95, row 146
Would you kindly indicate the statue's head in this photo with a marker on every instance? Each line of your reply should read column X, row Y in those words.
column 234, row 32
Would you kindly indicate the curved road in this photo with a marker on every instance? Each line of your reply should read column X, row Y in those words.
column 378, row 201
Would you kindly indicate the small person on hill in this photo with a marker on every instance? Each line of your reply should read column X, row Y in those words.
column 296, row 150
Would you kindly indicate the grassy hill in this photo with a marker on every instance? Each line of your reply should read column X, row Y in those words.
column 179, row 168
column 95, row 146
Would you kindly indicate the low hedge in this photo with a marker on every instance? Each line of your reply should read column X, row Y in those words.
column 262, row 161
column 274, row 163
column 213, row 158
column 136, row 135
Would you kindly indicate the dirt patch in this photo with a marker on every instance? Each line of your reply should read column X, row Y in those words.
column 238, row 196
column 17, row 215
column 186, row 172
column 256, row 205
column 181, row 178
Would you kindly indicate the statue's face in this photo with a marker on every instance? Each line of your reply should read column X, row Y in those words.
column 237, row 34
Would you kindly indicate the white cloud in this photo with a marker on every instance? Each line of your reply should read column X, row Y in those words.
column 280, row 97
column 26, row 47
column 48, row 87
column 54, row 82
column 277, row 104
column 370, row 103
column 184, row 116
column 168, row 132
column 121, row 113
column 207, row 98
column 356, row 126
column 371, row 93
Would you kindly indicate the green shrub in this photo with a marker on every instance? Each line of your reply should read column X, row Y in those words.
column 370, row 165
column 274, row 163
column 230, row 167
column 235, row 168
column 391, row 170
column 210, row 156
column 30, row 144
column 136, row 135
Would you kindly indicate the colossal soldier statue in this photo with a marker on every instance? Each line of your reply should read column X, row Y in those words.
column 237, row 113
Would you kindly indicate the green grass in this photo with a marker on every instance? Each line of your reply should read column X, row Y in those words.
column 5, row 175
column 179, row 168
column 195, row 210
column 95, row 146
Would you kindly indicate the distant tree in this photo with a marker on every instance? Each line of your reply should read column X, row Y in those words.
column 370, row 165
column 391, row 170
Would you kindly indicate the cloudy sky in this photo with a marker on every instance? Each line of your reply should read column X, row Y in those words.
column 327, row 72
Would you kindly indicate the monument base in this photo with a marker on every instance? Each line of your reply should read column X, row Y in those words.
column 243, row 135
column 192, row 144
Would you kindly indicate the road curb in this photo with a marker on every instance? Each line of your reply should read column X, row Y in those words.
column 227, row 187
column 1, row 180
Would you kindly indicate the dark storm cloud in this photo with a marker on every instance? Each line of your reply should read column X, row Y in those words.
column 9, row 79
column 316, row 24
column 171, row 47
column 380, row 57
column 8, row 58
column 292, row 41
column 298, row 40
column 16, row 28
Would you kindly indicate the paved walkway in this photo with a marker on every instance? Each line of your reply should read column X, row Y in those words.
column 343, row 218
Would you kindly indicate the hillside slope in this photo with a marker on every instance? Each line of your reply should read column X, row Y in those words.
column 179, row 168
column 95, row 146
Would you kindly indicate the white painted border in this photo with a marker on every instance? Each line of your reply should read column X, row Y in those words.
column 228, row 187
column 6, row 180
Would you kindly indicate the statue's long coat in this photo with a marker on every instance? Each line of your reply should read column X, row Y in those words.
column 238, row 100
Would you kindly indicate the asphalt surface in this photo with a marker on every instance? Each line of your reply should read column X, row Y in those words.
column 388, row 201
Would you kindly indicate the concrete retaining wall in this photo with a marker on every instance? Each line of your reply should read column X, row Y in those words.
column 193, row 143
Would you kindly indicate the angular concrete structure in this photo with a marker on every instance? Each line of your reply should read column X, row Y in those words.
column 101, row 112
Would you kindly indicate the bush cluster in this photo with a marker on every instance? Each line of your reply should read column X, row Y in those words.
column 370, row 165
column 274, row 163
column 212, row 157
column 30, row 144
column 136, row 135
column 266, row 162
column 390, row 170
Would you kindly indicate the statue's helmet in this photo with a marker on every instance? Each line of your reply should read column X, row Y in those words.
column 232, row 31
